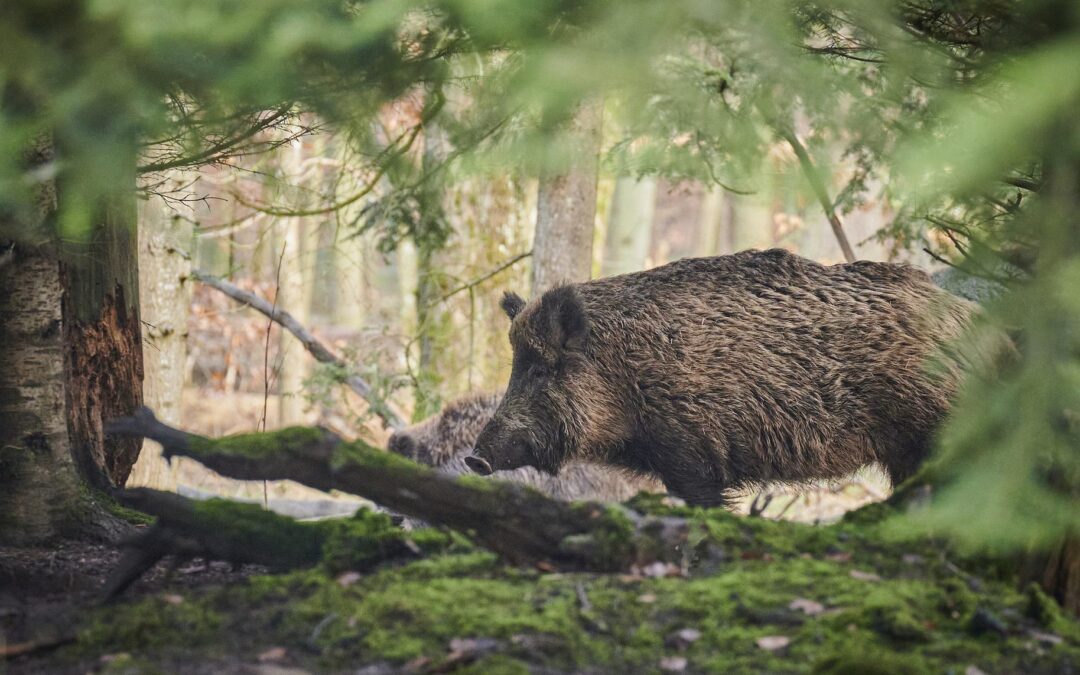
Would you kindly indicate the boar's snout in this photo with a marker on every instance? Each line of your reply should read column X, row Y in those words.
column 497, row 450
column 479, row 465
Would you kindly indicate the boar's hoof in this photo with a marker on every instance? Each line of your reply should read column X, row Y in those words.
column 479, row 465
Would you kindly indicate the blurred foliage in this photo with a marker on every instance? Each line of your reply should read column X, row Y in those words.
column 960, row 113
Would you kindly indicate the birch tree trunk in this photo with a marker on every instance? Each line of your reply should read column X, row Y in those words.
column 630, row 223
column 293, row 295
column 39, row 485
column 164, row 265
column 566, row 210
column 71, row 358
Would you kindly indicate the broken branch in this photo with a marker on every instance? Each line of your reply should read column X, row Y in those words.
column 817, row 184
column 384, row 409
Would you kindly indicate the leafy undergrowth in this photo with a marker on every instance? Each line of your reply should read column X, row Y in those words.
column 758, row 596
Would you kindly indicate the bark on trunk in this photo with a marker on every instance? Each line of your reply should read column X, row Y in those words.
column 71, row 358
column 164, row 265
column 566, row 210
column 1059, row 573
column 429, row 239
column 629, row 228
column 103, row 365
column 293, row 292
column 39, row 486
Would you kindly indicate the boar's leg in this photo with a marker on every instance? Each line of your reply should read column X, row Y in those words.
column 697, row 486
column 903, row 451
column 904, row 463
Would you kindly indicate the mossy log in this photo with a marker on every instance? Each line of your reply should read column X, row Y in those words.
column 520, row 524
column 219, row 529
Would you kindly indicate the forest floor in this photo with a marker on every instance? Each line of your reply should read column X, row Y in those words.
column 46, row 591
column 755, row 595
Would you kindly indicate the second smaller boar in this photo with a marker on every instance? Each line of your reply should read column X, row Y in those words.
column 447, row 438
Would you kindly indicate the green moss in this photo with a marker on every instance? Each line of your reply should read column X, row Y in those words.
column 1048, row 613
column 125, row 664
column 495, row 665
column 611, row 539
column 249, row 527
column 477, row 483
column 256, row 445
column 149, row 625
column 369, row 538
column 90, row 500
column 873, row 662
column 360, row 453
column 914, row 616
column 892, row 615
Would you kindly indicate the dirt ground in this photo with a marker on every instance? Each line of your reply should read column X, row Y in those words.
column 44, row 589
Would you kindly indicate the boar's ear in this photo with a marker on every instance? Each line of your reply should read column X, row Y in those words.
column 567, row 323
column 512, row 304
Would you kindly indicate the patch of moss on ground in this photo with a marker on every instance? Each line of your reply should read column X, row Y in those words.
column 149, row 627
column 865, row 606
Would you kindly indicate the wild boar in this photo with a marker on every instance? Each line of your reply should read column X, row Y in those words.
column 445, row 439
column 716, row 374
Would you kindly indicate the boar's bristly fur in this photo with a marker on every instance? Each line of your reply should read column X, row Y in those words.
column 445, row 439
column 720, row 373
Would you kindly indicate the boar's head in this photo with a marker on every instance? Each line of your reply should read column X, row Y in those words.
column 554, row 391
column 448, row 435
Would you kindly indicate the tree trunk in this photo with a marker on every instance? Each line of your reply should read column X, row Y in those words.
column 103, row 364
column 716, row 231
column 629, row 228
column 164, row 265
column 430, row 238
column 1059, row 573
column 39, row 485
column 566, row 210
column 293, row 294
column 71, row 358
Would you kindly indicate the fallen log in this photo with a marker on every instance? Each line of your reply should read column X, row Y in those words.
column 218, row 529
column 516, row 522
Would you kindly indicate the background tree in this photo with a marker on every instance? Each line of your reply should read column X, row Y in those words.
column 566, row 208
